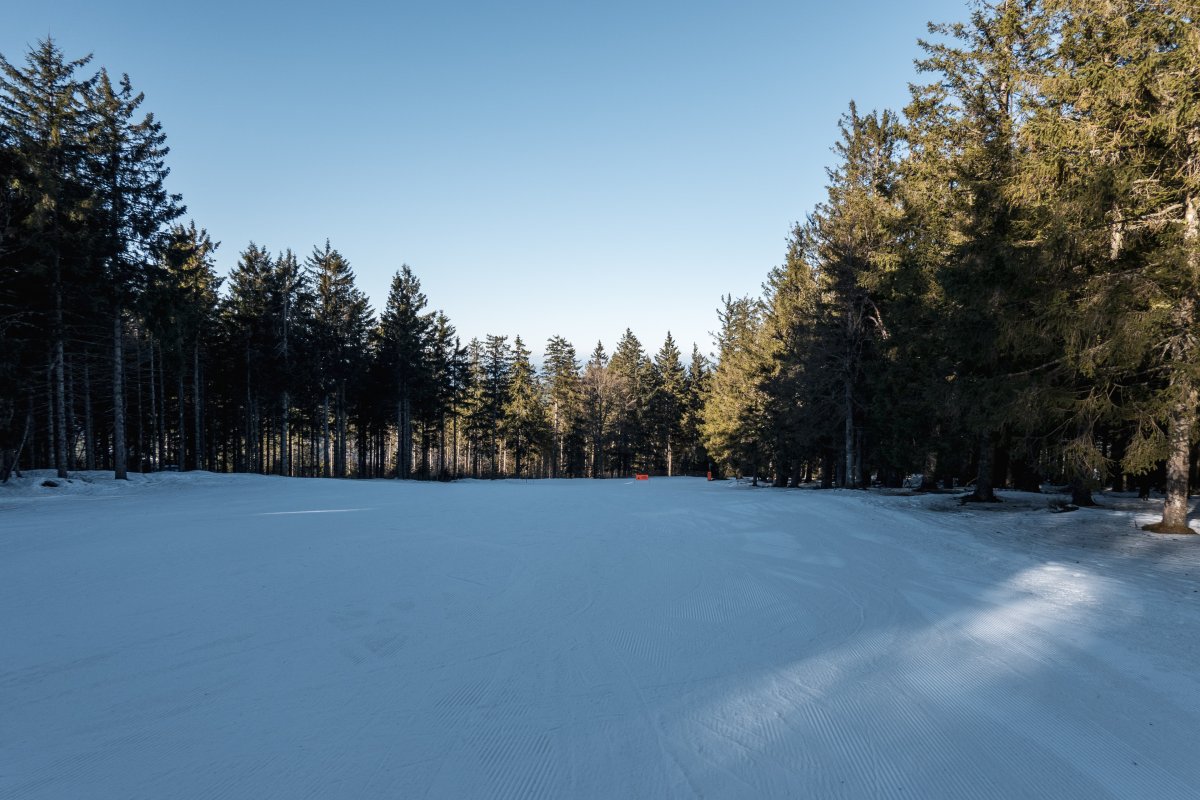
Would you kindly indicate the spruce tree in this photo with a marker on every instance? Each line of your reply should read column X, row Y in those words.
column 180, row 308
column 694, row 457
column 602, row 394
column 525, row 425
column 564, row 390
column 667, row 402
column 734, row 429
column 248, row 332
column 128, row 171
column 343, row 322
column 45, row 127
column 496, row 382
column 630, row 370
column 799, row 397
column 985, row 68
column 1120, row 137
column 405, row 330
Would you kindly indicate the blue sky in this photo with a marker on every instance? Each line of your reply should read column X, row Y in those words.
column 545, row 168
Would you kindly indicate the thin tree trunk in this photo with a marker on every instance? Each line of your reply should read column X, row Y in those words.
column 340, row 467
column 848, row 434
column 983, row 482
column 324, row 467
column 860, row 478
column 181, row 460
column 51, row 413
column 403, row 436
column 15, row 465
column 285, row 467
column 72, row 438
column 929, row 472
column 197, row 407
column 89, row 436
column 59, row 407
column 120, row 456
column 162, row 410
column 156, row 451
column 141, row 416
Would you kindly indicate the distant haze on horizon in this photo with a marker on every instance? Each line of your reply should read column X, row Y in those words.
column 544, row 168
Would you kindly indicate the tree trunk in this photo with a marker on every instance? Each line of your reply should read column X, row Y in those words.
column 403, row 436
column 929, row 472
column 72, row 438
column 848, row 438
column 156, row 451
column 197, row 408
column 860, row 479
column 120, row 456
column 1120, row 442
column 247, row 457
column 162, row 410
column 324, row 470
column 181, row 454
column 340, row 465
column 60, row 410
column 89, row 437
column 1181, row 422
column 142, row 461
column 285, row 466
column 983, row 481
column 1182, row 415
column 1081, row 495
column 12, row 459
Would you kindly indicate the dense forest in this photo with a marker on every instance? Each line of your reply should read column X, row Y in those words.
column 999, row 288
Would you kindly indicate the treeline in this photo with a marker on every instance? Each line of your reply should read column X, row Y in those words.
column 1000, row 287
column 1001, row 284
column 123, row 349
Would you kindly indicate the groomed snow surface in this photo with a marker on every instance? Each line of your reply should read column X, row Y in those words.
column 207, row 636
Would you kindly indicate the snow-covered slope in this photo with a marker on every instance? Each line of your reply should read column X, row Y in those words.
column 217, row 636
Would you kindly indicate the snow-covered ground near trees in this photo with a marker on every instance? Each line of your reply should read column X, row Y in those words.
column 207, row 636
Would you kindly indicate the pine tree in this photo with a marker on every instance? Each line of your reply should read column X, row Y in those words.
column 496, row 384
column 564, row 389
column 291, row 317
column 343, row 323
column 734, row 429
column 133, row 210
column 694, row 457
column 405, row 334
column 1119, row 133
column 448, row 375
column 631, row 372
column 798, row 395
column 180, row 308
column 45, row 126
column 668, row 400
column 525, row 425
column 246, row 316
column 984, row 72
column 602, row 393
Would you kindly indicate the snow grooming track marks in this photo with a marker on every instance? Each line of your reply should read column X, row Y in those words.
column 585, row 639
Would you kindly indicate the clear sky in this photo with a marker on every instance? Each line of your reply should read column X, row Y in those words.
column 544, row 167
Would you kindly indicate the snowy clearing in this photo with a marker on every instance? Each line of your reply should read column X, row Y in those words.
column 196, row 635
